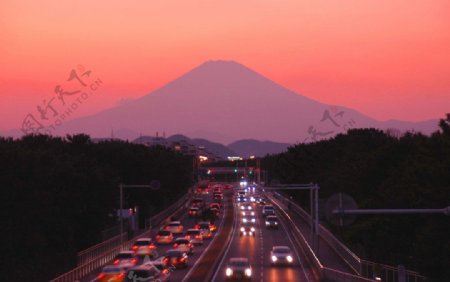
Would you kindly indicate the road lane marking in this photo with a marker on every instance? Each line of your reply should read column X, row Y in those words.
column 233, row 229
column 188, row 275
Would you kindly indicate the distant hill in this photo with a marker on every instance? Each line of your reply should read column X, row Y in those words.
column 215, row 148
column 251, row 147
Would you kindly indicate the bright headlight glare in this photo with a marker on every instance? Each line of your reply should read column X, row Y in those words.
column 244, row 220
column 274, row 258
column 253, row 220
column 252, row 229
column 229, row 271
column 289, row 258
column 248, row 272
column 267, row 223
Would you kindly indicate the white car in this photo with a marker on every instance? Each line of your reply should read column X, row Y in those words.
column 183, row 244
column 175, row 227
column 247, row 231
column 238, row 269
column 248, row 220
column 195, row 236
column 281, row 255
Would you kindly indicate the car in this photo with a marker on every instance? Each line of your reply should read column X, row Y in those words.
column 111, row 273
column 248, row 213
column 216, row 211
column 175, row 227
column 164, row 237
column 143, row 247
column 246, row 207
column 146, row 272
column 125, row 259
column 194, row 211
column 247, row 231
column 248, row 219
column 218, row 195
column 204, row 224
column 177, row 258
column 238, row 269
column 271, row 222
column 241, row 199
column 281, row 255
column 194, row 236
column 241, row 193
column 268, row 210
column 197, row 202
column 205, row 229
column 184, row 245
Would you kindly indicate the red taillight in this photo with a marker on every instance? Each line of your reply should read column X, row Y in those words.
column 151, row 247
column 121, row 275
column 134, row 248
column 116, row 261
column 165, row 271
column 100, row 276
column 190, row 212
column 157, row 236
column 182, row 259
column 167, row 227
column 175, row 245
column 198, row 237
column 197, row 226
column 133, row 261
column 189, row 245
column 166, row 260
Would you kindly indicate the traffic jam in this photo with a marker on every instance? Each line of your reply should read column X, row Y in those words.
column 175, row 245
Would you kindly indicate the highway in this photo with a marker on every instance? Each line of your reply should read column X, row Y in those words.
column 209, row 261
column 257, row 250
column 187, row 222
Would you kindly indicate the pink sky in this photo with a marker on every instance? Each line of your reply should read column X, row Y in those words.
column 387, row 59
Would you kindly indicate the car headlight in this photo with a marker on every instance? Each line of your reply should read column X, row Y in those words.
column 253, row 220
column 274, row 258
column 250, row 233
column 248, row 272
column 252, row 229
column 242, row 229
column 244, row 220
column 289, row 258
column 253, row 213
column 245, row 233
column 229, row 272
column 267, row 223
column 276, row 223
column 249, row 207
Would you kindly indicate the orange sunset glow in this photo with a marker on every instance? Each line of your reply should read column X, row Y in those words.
column 386, row 59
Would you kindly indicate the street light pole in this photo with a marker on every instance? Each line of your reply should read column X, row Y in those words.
column 314, row 207
column 121, row 186
column 120, row 213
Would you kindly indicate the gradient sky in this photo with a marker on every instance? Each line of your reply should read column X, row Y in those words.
column 387, row 59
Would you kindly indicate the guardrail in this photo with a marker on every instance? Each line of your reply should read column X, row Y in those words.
column 321, row 272
column 362, row 267
column 96, row 250
column 107, row 255
column 389, row 273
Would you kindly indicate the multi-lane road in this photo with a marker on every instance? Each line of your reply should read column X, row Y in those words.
column 209, row 261
column 257, row 250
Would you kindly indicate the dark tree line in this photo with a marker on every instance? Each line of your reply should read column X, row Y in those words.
column 382, row 171
column 58, row 194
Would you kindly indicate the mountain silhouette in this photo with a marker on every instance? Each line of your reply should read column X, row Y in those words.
column 225, row 101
